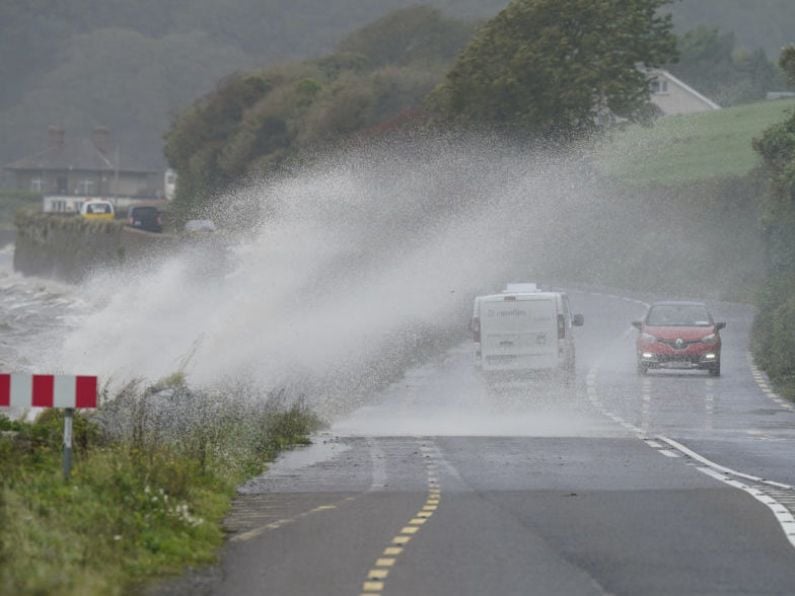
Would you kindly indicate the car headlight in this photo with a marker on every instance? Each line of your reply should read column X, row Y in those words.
column 710, row 339
column 647, row 337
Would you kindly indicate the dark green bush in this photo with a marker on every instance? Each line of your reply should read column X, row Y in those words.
column 773, row 335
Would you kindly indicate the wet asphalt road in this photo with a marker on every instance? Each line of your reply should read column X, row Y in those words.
column 676, row 483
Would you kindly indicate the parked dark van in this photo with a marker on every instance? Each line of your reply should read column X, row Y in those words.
column 145, row 218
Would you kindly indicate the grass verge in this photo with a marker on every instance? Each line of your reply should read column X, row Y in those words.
column 691, row 148
column 155, row 472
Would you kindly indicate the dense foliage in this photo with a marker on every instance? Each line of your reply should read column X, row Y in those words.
column 711, row 62
column 774, row 329
column 253, row 124
column 774, row 332
column 555, row 68
column 765, row 24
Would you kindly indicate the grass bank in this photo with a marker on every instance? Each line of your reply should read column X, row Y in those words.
column 156, row 469
column 690, row 148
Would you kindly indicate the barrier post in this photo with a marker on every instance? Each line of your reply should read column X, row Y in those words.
column 69, row 392
column 67, row 442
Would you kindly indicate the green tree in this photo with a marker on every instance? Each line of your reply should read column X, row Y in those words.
column 787, row 62
column 411, row 35
column 774, row 326
column 254, row 124
column 710, row 62
column 551, row 68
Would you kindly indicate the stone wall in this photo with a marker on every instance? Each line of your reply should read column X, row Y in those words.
column 68, row 248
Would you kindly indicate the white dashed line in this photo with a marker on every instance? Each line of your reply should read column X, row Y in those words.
column 719, row 468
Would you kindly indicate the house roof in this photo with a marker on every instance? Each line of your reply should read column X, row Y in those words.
column 687, row 88
column 73, row 154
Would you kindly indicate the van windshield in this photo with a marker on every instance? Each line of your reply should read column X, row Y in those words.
column 678, row 315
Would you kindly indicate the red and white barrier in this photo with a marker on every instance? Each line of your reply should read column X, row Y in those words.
column 47, row 391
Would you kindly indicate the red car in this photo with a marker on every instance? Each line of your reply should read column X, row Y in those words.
column 679, row 335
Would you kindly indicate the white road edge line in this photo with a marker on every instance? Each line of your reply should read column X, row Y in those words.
column 711, row 464
column 782, row 515
column 762, row 381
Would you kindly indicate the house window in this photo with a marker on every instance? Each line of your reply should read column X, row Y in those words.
column 62, row 183
column 86, row 187
column 36, row 185
column 658, row 86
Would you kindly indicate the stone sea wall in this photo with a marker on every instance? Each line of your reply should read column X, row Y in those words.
column 68, row 248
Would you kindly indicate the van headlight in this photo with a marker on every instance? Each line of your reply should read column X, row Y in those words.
column 710, row 339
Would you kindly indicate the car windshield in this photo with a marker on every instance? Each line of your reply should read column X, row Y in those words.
column 98, row 208
column 678, row 315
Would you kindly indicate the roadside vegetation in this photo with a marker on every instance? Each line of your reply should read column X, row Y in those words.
column 156, row 469
column 774, row 329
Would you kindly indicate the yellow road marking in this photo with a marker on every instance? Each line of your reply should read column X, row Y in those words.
column 376, row 576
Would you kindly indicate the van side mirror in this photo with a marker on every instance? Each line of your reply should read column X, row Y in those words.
column 719, row 326
column 578, row 320
column 637, row 324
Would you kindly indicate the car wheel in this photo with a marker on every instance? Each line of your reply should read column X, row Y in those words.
column 714, row 371
column 643, row 369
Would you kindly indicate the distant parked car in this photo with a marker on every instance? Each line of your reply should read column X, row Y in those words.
column 145, row 218
column 199, row 226
column 679, row 335
column 97, row 209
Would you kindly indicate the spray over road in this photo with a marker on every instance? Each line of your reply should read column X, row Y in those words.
column 354, row 290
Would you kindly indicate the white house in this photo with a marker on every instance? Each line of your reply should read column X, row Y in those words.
column 674, row 96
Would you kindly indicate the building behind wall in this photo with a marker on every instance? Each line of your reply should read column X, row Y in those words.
column 70, row 171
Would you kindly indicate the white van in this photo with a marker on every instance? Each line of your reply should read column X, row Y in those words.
column 524, row 329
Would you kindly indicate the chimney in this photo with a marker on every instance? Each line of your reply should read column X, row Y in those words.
column 101, row 138
column 55, row 136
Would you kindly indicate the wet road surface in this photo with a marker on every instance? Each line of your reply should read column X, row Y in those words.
column 675, row 483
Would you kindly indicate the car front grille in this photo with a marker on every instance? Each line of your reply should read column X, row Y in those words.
column 679, row 344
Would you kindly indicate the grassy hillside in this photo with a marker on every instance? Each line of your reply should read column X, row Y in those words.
column 693, row 148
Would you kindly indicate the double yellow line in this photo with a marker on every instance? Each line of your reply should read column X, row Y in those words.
column 376, row 577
